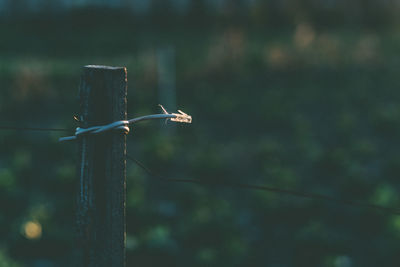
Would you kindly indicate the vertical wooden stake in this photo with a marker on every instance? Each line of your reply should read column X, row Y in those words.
column 102, row 171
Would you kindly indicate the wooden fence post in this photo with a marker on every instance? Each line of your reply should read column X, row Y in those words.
column 102, row 171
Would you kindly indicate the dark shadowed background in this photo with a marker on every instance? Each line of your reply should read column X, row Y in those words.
column 293, row 94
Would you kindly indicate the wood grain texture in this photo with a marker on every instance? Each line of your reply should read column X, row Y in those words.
column 102, row 169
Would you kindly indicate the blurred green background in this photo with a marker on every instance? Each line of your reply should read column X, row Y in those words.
column 294, row 94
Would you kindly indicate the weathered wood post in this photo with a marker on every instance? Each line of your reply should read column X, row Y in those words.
column 102, row 171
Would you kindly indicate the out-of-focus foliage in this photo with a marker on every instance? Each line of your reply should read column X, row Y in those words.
column 305, row 105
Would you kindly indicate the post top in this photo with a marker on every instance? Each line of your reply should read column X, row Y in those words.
column 104, row 67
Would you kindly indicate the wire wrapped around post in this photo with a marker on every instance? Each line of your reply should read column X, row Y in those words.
column 123, row 125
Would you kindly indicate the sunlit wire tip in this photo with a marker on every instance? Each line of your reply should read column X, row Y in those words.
column 181, row 117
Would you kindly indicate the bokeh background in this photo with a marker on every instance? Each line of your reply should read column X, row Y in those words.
column 294, row 94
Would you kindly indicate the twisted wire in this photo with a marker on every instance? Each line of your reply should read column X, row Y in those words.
column 123, row 125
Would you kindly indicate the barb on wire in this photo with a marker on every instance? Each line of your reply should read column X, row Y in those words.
column 123, row 125
column 393, row 211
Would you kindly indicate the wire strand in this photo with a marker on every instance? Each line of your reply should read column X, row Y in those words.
column 393, row 211
column 223, row 183
column 123, row 125
column 10, row 128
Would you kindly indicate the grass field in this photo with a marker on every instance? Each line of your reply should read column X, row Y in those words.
column 310, row 109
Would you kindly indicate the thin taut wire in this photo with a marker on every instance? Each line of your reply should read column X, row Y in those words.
column 393, row 211
column 10, row 128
